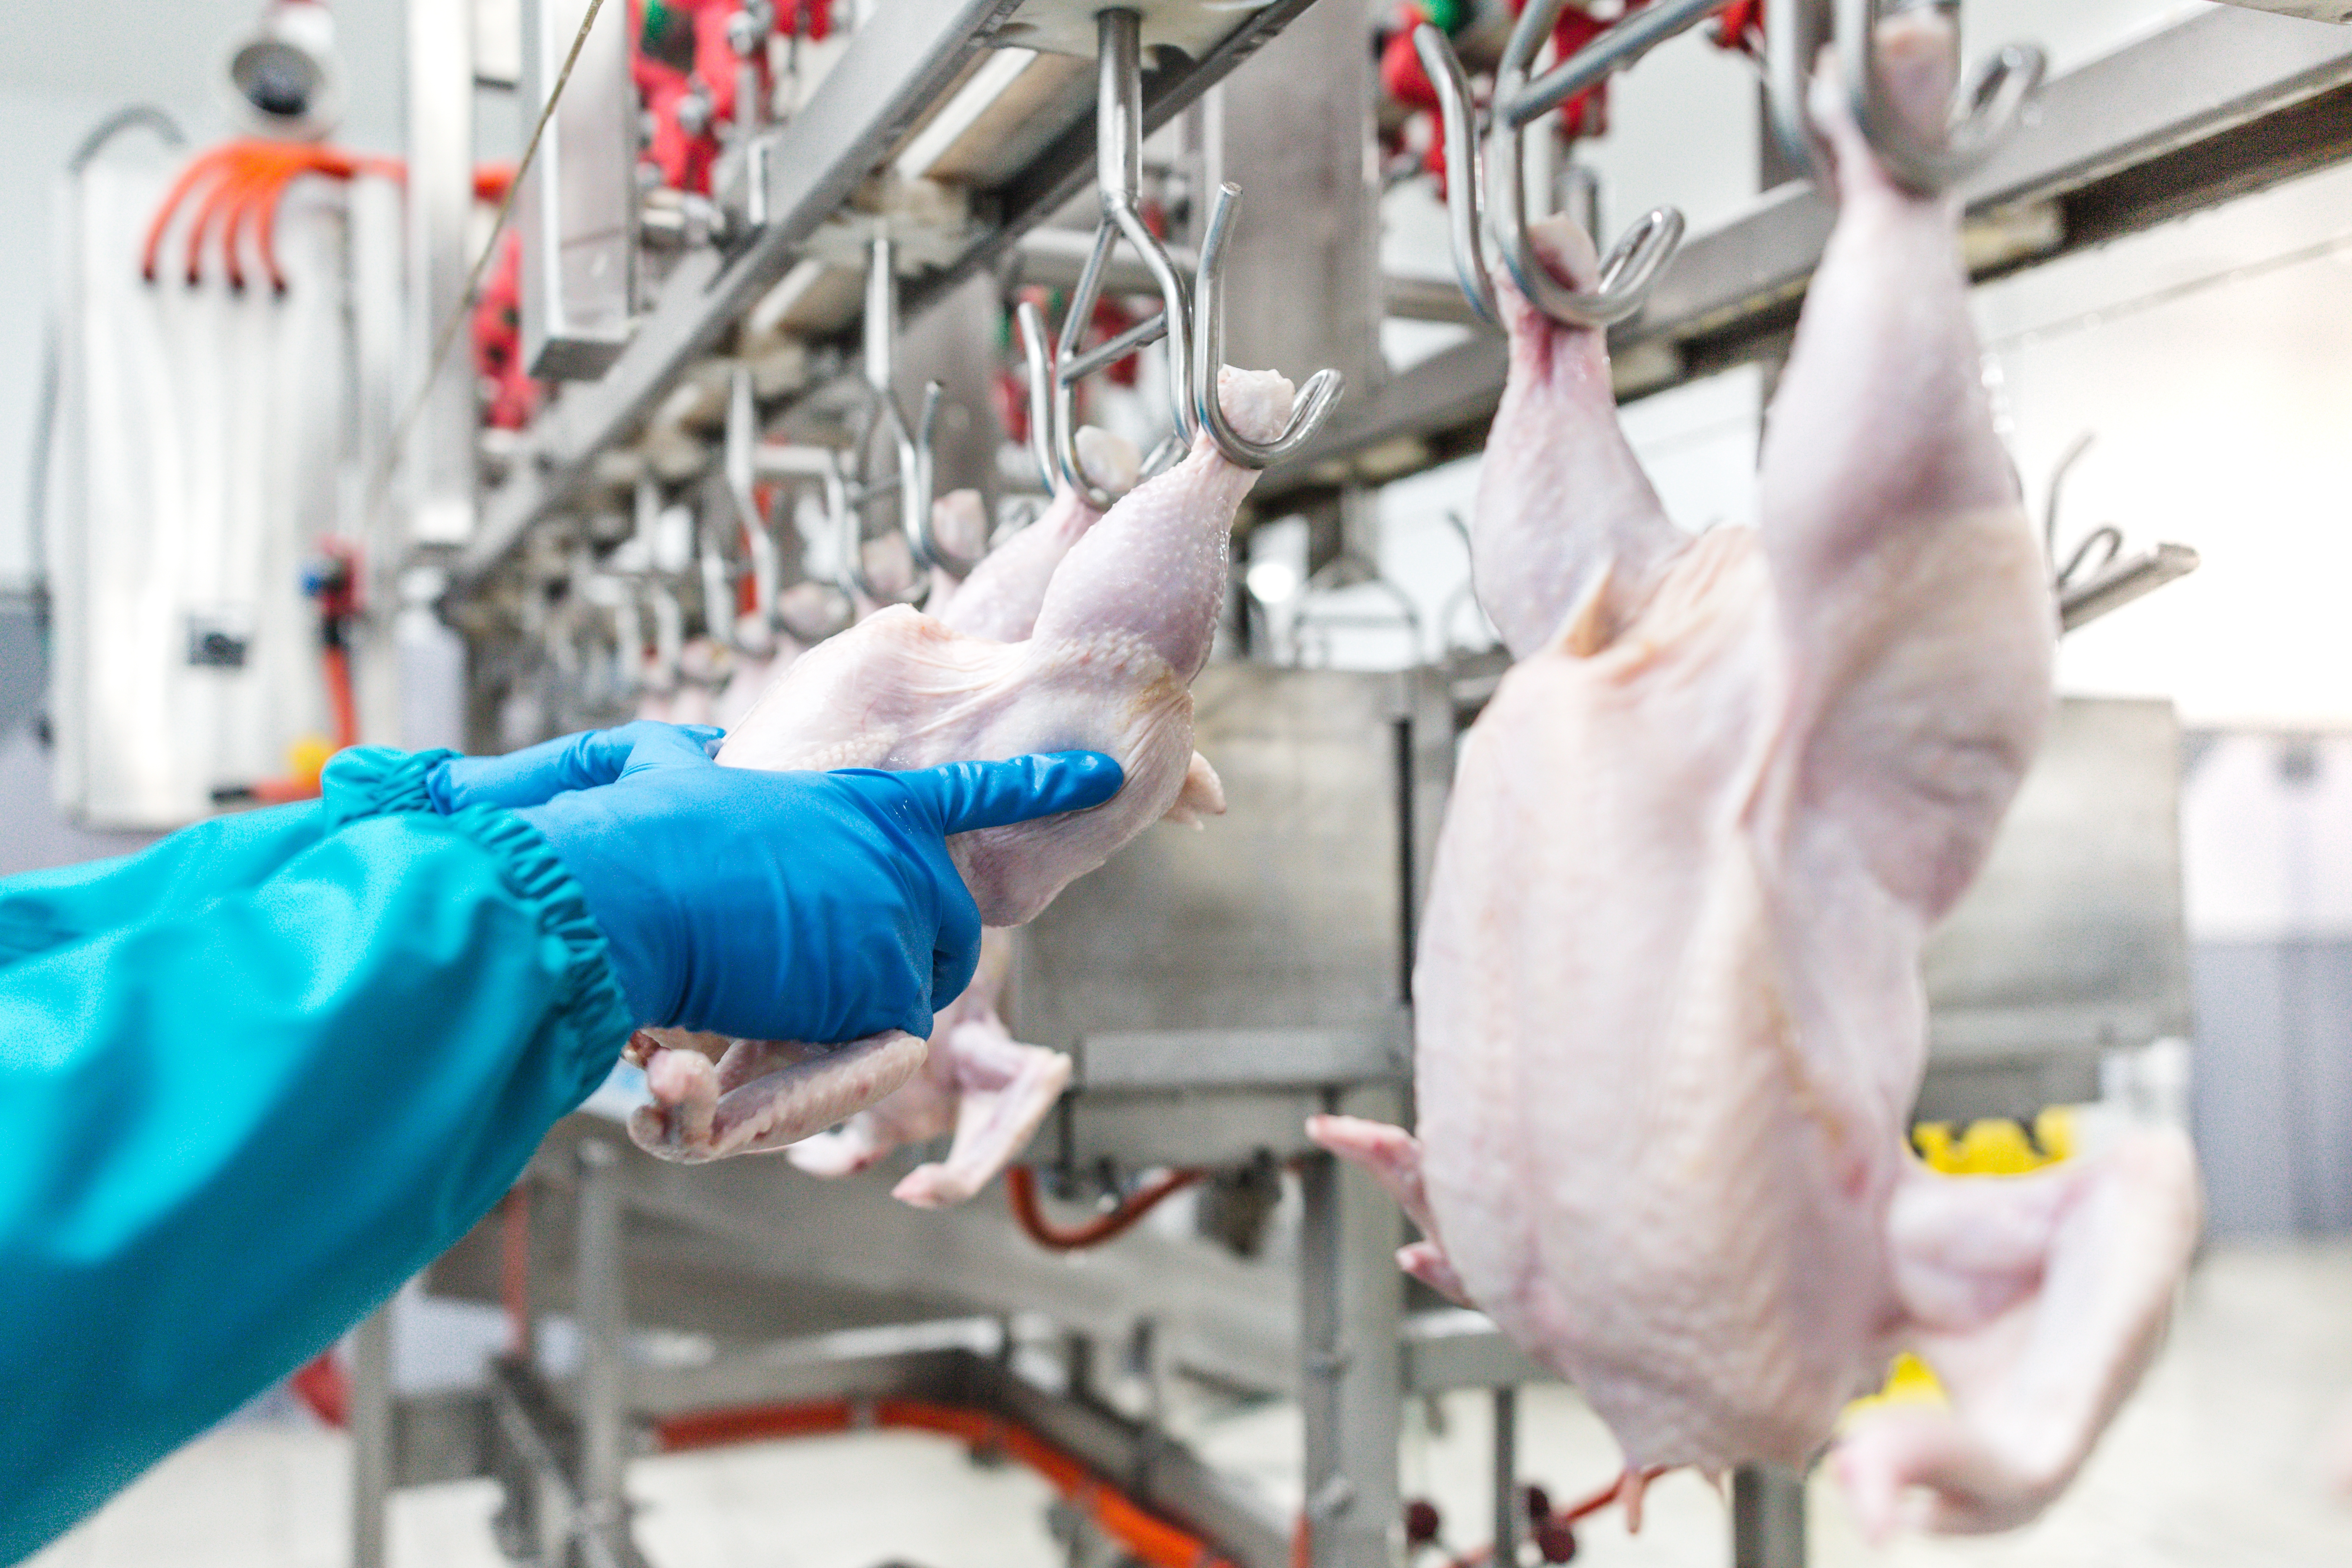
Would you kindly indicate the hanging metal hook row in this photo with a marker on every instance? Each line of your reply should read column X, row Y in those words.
column 1486, row 203
column 1195, row 342
column 1984, row 112
column 846, row 497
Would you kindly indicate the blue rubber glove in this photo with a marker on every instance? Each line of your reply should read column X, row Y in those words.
column 818, row 907
column 537, row 774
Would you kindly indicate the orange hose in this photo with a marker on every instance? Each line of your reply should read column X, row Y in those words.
column 1146, row 1536
column 339, row 697
column 198, row 167
column 239, row 174
column 1021, row 1190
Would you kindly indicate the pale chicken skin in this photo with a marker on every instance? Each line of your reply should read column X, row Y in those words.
column 1669, row 1017
column 1125, row 624
column 979, row 1082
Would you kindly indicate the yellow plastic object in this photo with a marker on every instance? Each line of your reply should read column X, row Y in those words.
column 1991, row 1148
column 305, row 759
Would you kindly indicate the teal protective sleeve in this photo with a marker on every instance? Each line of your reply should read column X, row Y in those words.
column 251, row 1080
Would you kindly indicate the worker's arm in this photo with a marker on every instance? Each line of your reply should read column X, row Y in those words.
column 249, row 1081
column 255, row 1077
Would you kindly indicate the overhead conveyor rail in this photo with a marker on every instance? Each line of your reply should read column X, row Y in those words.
column 873, row 103
column 2217, row 106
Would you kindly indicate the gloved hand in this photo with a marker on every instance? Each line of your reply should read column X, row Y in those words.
column 817, row 907
column 537, row 774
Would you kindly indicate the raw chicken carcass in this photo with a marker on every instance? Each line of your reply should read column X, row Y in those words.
column 1126, row 620
column 990, row 1089
column 1668, row 1000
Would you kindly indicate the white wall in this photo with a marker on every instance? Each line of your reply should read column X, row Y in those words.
column 63, row 68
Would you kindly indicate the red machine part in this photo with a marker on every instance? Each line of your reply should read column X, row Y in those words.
column 510, row 396
column 687, row 69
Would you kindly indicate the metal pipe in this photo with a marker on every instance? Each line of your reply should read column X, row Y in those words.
column 603, row 1315
column 1613, row 51
column 1767, row 1518
column 370, row 1429
column 1506, row 1476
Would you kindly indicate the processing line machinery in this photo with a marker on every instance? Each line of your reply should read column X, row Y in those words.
column 1215, row 988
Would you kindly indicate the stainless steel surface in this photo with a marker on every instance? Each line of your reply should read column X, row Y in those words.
column 2316, row 10
column 1767, row 1518
column 1246, row 1058
column 1301, row 277
column 438, row 464
column 1613, row 51
column 1452, row 1347
column 1291, row 911
column 1351, row 1299
column 2134, row 577
column 2072, row 940
column 371, row 1424
column 2102, row 142
column 601, row 1312
column 1503, row 1464
column 576, row 210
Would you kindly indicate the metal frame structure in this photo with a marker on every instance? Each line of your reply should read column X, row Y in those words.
column 2211, row 107
column 873, row 98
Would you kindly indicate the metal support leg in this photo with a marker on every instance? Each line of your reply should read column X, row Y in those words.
column 1767, row 1518
column 1507, row 1477
column 603, row 1320
column 1350, row 1298
column 371, row 1428
column 440, row 474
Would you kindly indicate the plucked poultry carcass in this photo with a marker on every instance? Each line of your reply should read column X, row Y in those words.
column 1126, row 622
column 979, row 1082
column 1670, row 1021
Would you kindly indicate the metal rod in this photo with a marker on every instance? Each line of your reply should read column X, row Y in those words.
column 371, row 1427
column 2120, row 584
column 1118, row 106
column 1613, row 51
column 881, row 317
column 603, row 1313
column 1349, row 1304
column 1110, row 351
column 1507, row 1477
column 1767, row 1518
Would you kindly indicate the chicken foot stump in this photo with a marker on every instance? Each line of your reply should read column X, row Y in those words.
column 1124, row 624
column 1669, row 1016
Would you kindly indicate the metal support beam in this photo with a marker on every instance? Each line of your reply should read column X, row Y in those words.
column 438, row 473
column 1767, row 1518
column 370, row 1429
column 1506, row 1466
column 1350, row 1298
column 604, row 1323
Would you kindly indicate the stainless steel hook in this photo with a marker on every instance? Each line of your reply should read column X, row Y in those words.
column 1984, row 112
column 1496, row 199
column 740, row 466
column 1195, row 343
column 1315, row 401
column 1632, row 265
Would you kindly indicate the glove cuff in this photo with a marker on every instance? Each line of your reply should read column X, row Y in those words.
column 533, row 871
column 360, row 782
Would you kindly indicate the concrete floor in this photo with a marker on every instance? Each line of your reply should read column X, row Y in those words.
column 2222, row 1460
